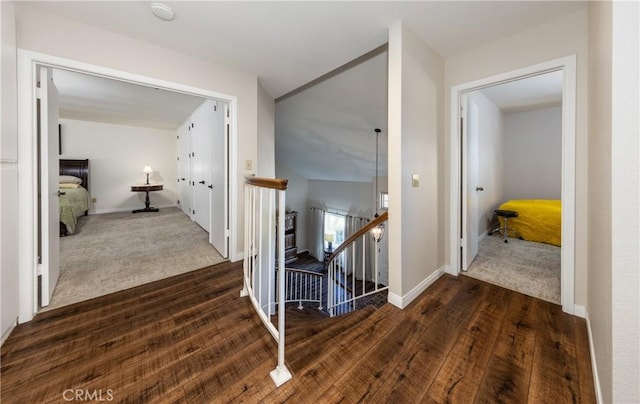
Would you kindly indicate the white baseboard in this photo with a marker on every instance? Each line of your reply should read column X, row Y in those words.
column 579, row 311
column 594, row 366
column 8, row 331
column 116, row 210
column 403, row 301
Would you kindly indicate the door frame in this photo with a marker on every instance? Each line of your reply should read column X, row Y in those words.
column 28, row 61
column 568, row 66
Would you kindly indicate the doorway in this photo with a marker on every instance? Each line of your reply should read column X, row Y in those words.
column 513, row 132
column 458, row 231
column 32, row 265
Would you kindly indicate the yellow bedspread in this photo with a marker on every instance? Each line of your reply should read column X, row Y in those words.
column 538, row 220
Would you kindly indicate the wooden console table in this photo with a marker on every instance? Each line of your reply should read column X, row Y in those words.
column 146, row 188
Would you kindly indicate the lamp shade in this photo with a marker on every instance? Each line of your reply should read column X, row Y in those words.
column 328, row 237
column 147, row 169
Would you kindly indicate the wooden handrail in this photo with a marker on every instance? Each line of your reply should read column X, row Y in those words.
column 380, row 219
column 274, row 183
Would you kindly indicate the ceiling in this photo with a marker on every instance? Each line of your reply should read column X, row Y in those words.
column 326, row 131
column 289, row 43
column 533, row 92
column 91, row 98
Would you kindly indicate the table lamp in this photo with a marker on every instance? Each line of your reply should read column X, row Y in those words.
column 329, row 238
column 147, row 170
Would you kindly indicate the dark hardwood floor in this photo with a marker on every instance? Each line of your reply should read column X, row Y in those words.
column 192, row 338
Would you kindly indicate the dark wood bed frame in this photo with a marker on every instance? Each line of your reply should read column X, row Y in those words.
column 77, row 168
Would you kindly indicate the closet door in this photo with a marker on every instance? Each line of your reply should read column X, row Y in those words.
column 184, row 168
column 218, row 235
column 201, row 162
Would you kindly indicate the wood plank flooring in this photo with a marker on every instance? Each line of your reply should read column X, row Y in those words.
column 191, row 338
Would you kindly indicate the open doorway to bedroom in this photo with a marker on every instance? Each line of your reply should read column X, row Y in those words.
column 465, row 188
column 512, row 146
column 152, row 206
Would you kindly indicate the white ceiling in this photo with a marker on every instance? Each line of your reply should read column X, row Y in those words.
column 289, row 43
column 532, row 92
column 325, row 132
column 91, row 98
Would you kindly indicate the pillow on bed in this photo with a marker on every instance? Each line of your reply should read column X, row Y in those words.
column 66, row 185
column 69, row 179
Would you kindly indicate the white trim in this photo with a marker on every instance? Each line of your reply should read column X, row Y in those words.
column 403, row 301
column 594, row 365
column 27, row 159
column 568, row 64
column 579, row 311
column 8, row 331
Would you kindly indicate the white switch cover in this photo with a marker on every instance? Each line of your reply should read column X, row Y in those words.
column 248, row 164
column 415, row 180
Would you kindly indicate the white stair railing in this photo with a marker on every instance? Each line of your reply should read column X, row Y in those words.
column 263, row 245
column 348, row 278
column 303, row 286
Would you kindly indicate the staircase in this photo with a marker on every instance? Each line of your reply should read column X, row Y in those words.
column 321, row 350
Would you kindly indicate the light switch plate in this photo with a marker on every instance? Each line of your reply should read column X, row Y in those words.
column 248, row 164
column 415, row 180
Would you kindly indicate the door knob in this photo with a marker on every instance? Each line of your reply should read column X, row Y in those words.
column 201, row 182
column 61, row 193
column 210, row 186
column 181, row 179
column 479, row 189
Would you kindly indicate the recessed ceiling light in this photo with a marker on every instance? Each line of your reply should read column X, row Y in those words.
column 162, row 11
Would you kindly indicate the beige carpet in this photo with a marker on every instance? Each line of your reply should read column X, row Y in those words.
column 117, row 251
column 523, row 266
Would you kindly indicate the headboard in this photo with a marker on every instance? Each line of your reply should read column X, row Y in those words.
column 77, row 168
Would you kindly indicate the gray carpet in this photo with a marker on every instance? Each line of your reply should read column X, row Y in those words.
column 116, row 251
column 523, row 266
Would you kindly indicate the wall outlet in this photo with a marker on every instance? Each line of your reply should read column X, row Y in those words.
column 248, row 164
column 94, row 200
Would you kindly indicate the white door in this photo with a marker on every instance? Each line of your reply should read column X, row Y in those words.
column 184, row 168
column 49, row 169
column 471, row 186
column 201, row 139
column 474, row 187
column 218, row 186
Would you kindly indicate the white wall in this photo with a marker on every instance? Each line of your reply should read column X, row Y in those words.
column 491, row 159
column 533, row 154
column 297, row 193
column 49, row 34
column 555, row 39
column 614, row 196
column 352, row 198
column 117, row 154
column 416, row 77
column 9, row 173
column 599, row 218
column 625, row 214
column 266, row 135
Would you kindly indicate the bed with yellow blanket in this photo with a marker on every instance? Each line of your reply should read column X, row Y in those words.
column 538, row 220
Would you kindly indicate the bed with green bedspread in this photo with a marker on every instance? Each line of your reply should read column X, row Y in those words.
column 73, row 204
